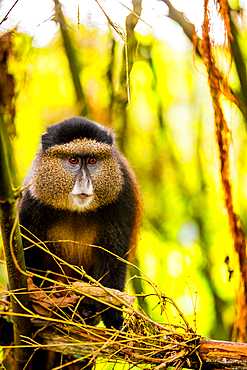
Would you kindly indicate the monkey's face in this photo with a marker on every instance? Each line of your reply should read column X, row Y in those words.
column 78, row 176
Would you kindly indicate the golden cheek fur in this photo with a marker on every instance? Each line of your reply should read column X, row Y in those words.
column 108, row 182
column 52, row 183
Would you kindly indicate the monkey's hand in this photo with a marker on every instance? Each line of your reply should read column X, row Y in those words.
column 91, row 311
column 112, row 318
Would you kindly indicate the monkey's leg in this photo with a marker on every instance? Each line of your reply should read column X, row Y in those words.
column 114, row 278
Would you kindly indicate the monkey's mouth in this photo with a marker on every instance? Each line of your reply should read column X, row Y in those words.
column 82, row 199
column 83, row 196
column 80, row 202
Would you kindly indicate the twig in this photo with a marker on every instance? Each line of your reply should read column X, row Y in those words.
column 6, row 16
column 175, row 15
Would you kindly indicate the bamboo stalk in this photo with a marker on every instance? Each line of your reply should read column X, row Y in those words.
column 72, row 58
column 13, row 248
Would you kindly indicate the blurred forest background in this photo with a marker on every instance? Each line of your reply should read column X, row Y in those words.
column 166, row 131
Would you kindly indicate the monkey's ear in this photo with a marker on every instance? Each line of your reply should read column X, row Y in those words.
column 110, row 132
column 44, row 140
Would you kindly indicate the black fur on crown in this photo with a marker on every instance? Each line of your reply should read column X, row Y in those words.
column 75, row 128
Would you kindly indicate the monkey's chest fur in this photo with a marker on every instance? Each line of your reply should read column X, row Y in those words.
column 72, row 238
column 68, row 235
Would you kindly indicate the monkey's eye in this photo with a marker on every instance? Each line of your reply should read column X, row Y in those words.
column 92, row 161
column 73, row 161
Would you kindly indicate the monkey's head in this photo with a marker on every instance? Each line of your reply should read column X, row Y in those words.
column 78, row 166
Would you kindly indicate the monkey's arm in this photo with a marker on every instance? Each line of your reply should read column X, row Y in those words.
column 35, row 219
